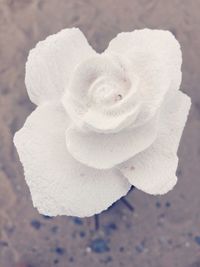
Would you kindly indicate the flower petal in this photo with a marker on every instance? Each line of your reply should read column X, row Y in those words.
column 153, row 170
column 104, row 151
column 156, row 59
column 59, row 184
column 51, row 63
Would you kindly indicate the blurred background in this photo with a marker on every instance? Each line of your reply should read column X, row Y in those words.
column 161, row 231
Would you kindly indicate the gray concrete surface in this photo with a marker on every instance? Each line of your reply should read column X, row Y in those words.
column 162, row 231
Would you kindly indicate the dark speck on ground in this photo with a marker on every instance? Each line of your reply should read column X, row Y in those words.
column 82, row 234
column 3, row 243
column 77, row 221
column 197, row 239
column 109, row 228
column 36, row 224
column 167, row 204
column 71, row 259
column 121, row 249
column 99, row 245
column 140, row 248
column 106, row 260
column 54, row 229
column 56, row 261
column 158, row 204
column 47, row 217
column 59, row 250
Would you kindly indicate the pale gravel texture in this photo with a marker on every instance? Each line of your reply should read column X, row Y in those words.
column 156, row 234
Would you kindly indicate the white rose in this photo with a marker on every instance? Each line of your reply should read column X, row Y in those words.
column 104, row 121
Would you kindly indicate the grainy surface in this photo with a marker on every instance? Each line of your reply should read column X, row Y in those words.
column 162, row 231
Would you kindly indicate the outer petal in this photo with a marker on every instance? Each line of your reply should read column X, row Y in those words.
column 156, row 59
column 104, row 151
column 153, row 170
column 51, row 63
column 60, row 185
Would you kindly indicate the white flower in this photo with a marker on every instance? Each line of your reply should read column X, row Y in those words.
column 104, row 121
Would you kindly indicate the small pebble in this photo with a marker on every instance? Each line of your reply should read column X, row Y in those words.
column 140, row 248
column 187, row 244
column 88, row 249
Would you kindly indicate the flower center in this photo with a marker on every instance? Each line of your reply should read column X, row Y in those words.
column 104, row 92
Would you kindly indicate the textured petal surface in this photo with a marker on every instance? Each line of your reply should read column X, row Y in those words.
column 156, row 59
column 104, row 151
column 51, row 63
column 60, row 185
column 101, row 94
column 153, row 170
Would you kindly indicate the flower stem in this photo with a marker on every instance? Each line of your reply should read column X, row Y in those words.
column 96, row 221
column 127, row 204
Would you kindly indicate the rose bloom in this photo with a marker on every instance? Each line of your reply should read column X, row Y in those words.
column 104, row 122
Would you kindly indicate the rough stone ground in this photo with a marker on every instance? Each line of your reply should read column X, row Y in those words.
column 162, row 231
